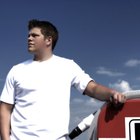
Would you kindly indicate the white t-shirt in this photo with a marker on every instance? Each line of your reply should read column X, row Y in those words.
column 40, row 92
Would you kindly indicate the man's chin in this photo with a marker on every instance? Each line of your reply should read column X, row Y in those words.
column 31, row 51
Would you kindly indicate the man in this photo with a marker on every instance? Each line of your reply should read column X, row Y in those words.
column 36, row 95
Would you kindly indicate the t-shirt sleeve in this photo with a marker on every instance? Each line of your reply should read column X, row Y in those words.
column 7, row 94
column 81, row 79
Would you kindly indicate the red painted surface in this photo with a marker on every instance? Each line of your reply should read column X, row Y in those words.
column 111, row 121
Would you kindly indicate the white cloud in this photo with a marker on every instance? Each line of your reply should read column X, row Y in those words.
column 93, row 103
column 88, row 103
column 132, row 63
column 77, row 100
column 104, row 71
column 121, row 86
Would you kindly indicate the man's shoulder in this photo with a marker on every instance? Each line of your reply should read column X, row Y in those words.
column 26, row 62
column 67, row 62
column 22, row 64
column 63, row 59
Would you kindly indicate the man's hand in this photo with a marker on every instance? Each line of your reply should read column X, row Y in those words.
column 117, row 98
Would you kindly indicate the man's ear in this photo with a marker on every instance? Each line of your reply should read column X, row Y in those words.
column 48, row 41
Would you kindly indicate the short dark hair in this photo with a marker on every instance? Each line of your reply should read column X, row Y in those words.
column 47, row 29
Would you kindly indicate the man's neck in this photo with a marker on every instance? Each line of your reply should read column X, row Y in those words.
column 42, row 58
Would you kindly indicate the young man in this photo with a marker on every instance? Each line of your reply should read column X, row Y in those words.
column 35, row 98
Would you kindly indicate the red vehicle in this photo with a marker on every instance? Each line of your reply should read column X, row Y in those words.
column 114, row 123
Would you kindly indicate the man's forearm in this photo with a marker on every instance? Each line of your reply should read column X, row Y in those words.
column 4, row 130
column 98, row 91
column 5, row 115
column 103, row 93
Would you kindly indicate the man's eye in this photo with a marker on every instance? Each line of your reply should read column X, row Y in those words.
column 33, row 35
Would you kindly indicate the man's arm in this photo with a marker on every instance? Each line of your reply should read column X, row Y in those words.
column 103, row 93
column 5, row 115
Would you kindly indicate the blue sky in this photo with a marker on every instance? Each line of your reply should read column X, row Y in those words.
column 102, row 36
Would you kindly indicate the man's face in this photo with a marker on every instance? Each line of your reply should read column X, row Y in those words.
column 36, row 41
